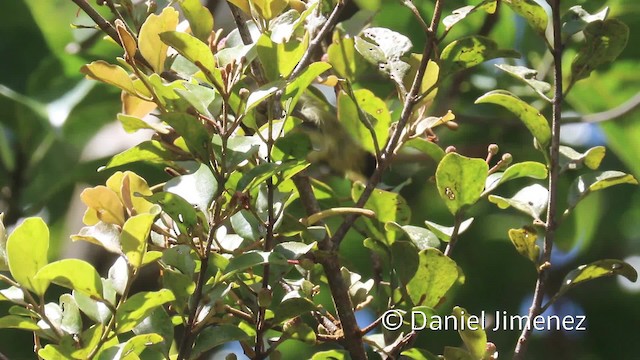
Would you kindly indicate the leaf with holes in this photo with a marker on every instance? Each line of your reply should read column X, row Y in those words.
column 460, row 180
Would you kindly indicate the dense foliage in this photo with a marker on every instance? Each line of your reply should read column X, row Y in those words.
column 312, row 176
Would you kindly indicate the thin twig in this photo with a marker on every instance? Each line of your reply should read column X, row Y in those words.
column 554, row 172
column 313, row 45
column 611, row 114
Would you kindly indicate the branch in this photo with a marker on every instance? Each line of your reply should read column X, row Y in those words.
column 554, row 173
column 331, row 264
column 611, row 114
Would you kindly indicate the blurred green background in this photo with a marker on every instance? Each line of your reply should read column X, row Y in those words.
column 49, row 115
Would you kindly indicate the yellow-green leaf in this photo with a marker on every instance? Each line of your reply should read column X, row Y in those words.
column 110, row 74
column 199, row 18
column 530, row 116
column 191, row 48
column 73, row 274
column 436, row 274
column 472, row 332
column 27, row 248
column 134, row 238
column 138, row 307
column 524, row 241
column 151, row 47
column 460, row 180
column 532, row 12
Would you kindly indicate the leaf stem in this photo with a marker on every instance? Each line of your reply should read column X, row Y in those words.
column 554, row 172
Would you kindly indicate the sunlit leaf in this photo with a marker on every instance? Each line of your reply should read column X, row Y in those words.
column 576, row 18
column 572, row 160
column 387, row 205
column 420, row 237
column 595, row 270
column 134, row 237
column 444, row 232
column 531, row 200
column 524, row 240
column 101, row 234
column 375, row 117
column 530, row 116
column 190, row 47
column 138, row 307
column 111, row 74
column 530, row 169
column 459, row 14
column 460, row 180
column 199, row 18
column 429, row 148
column 151, row 47
column 27, row 248
column 532, row 12
column 253, row 258
column 585, row 184
column 151, row 151
column 528, row 76
column 436, row 274
column 127, row 40
column 74, row 274
column 472, row 334
column 279, row 60
column 71, row 319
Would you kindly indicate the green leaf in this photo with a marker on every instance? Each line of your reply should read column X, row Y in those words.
column 199, row 18
column 298, row 330
column 138, row 307
column 291, row 308
column 191, row 48
column 331, row 355
column 239, row 150
column 214, row 336
column 530, row 116
column 444, row 232
column 528, row 76
column 460, row 180
column 576, row 18
column 455, row 353
column 151, row 151
column 4, row 262
column 470, row 51
column 604, row 41
column 71, row 321
column 197, row 187
column 595, row 270
column 529, row 169
column 192, row 131
column 245, row 224
column 376, row 118
column 294, row 249
column 459, row 14
column 262, row 172
column 157, row 322
column 418, row 354
column 139, row 343
column 387, row 205
column 405, row 260
column 572, row 160
column 343, row 57
column 428, row 148
column 279, row 60
column 73, row 274
column 532, row 12
column 253, row 258
column 299, row 85
column 420, row 237
column 524, row 240
column 151, row 47
column 531, row 200
column 27, row 248
column 96, row 311
column 134, row 238
column 18, row 322
column 472, row 333
column 181, row 211
column 436, row 274
column 585, row 184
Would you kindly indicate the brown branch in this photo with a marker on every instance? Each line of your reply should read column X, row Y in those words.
column 331, row 264
column 245, row 35
column 554, row 173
